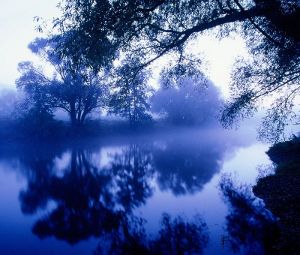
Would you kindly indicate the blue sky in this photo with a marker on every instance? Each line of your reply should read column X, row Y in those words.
column 17, row 28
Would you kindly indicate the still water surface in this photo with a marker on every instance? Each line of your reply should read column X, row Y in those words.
column 146, row 194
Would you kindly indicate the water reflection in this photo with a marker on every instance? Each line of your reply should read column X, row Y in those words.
column 251, row 229
column 83, row 190
column 82, row 197
column 176, row 236
column 131, row 170
column 89, row 200
column 184, row 166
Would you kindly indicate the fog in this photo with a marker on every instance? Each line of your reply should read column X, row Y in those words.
column 89, row 183
column 190, row 103
column 147, row 127
column 41, row 107
column 8, row 101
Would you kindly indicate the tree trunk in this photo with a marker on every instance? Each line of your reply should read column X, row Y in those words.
column 73, row 115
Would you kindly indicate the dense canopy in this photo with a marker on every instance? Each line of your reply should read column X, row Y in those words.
column 96, row 32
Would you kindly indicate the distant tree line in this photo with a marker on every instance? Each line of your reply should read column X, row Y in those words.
column 61, row 83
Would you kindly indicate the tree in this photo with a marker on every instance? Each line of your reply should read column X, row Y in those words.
column 152, row 29
column 75, row 89
column 34, row 112
column 130, row 97
column 188, row 103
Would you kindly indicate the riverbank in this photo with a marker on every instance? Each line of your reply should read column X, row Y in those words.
column 16, row 131
column 281, row 194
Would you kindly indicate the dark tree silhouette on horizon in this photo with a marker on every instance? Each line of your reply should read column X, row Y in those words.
column 75, row 89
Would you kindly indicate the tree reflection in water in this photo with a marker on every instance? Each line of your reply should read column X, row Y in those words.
column 185, row 166
column 251, row 229
column 132, row 170
column 176, row 236
column 95, row 195
column 89, row 201
column 83, row 202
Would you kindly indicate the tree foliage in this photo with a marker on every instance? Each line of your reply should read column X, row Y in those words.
column 98, row 30
column 131, row 93
column 188, row 103
column 73, row 88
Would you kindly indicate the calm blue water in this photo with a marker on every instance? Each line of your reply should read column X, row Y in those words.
column 147, row 194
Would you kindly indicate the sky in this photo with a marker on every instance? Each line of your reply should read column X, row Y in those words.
column 17, row 30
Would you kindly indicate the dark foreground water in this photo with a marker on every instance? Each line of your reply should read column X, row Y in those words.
column 176, row 192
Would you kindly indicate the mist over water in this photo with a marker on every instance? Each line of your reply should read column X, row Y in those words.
column 167, row 183
column 74, row 196
column 152, row 175
column 114, row 139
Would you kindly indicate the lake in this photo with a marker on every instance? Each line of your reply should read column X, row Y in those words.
column 178, row 191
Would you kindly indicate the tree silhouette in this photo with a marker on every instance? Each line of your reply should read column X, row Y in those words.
column 130, row 96
column 95, row 32
column 75, row 89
